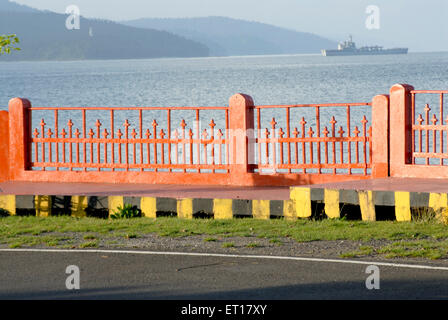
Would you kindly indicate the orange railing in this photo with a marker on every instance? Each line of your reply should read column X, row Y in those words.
column 326, row 147
column 419, row 135
column 429, row 129
column 239, row 144
column 142, row 144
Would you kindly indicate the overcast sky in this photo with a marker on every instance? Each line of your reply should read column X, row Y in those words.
column 421, row 25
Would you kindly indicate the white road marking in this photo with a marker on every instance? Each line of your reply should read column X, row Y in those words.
column 222, row 255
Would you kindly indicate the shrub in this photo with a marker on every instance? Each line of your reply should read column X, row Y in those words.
column 425, row 214
column 128, row 211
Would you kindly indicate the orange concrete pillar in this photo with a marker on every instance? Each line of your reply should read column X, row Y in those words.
column 4, row 146
column 400, row 128
column 19, row 133
column 380, row 136
column 241, row 125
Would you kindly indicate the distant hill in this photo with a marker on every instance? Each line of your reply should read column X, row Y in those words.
column 6, row 5
column 43, row 36
column 226, row 36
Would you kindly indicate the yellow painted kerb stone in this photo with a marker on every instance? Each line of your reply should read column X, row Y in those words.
column 222, row 209
column 331, row 199
column 79, row 206
column 148, row 206
column 261, row 209
column 402, row 206
column 439, row 203
column 289, row 211
column 301, row 201
column 8, row 203
column 367, row 205
column 185, row 208
column 43, row 206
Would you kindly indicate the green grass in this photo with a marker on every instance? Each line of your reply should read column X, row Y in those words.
column 362, row 251
column 228, row 245
column 300, row 230
column 276, row 241
column 430, row 235
column 427, row 249
column 89, row 244
column 30, row 241
column 416, row 249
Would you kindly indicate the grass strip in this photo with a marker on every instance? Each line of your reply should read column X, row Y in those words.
column 426, row 239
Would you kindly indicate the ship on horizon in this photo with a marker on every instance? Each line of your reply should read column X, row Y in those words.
column 348, row 48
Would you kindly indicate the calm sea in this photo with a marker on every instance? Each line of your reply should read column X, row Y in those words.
column 288, row 79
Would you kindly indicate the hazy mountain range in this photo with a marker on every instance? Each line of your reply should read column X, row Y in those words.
column 226, row 36
column 6, row 5
column 43, row 36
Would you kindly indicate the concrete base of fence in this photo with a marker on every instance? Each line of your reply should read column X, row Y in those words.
column 84, row 206
column 305, row 202
column 377, row 199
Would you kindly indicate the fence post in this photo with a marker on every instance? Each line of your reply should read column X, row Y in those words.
column 241, row 125
column 4, row 146
column 380, row 136
column 19, row 132
column 400, row 128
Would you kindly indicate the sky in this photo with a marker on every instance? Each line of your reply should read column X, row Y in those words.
column 421, row 25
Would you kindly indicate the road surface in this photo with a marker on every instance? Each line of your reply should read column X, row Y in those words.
column 128, row 275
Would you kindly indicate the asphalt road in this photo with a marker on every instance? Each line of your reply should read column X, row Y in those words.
column 42, row 275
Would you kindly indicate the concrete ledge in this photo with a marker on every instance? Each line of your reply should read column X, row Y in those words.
column 187, row 208
column 304, row 202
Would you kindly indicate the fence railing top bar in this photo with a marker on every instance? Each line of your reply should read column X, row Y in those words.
column 357, row 104
column 126, row 108
column 429, row 91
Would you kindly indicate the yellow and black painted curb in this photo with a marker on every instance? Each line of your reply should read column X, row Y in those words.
column 304, row 202
column 372, row 205
column 187, row 208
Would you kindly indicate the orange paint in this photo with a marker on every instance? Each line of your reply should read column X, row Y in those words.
column 19, row 134
column 241, row 125
column 380, row 136
column 400, row 125
column 4, row 146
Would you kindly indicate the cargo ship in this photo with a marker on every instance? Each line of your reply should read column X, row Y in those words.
column 348, row 48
